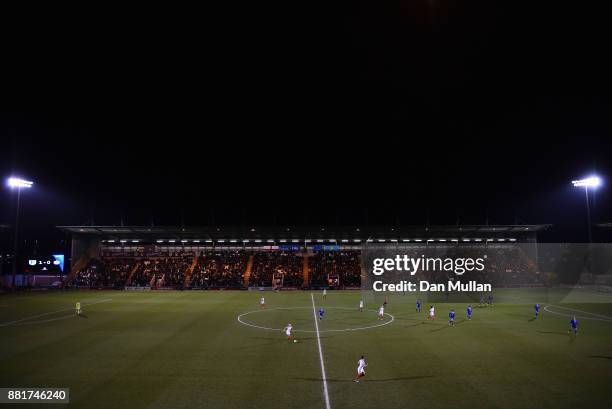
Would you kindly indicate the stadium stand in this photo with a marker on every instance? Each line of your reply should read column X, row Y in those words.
column 288, row 267
column 166, row 271
column 111, row 257
column 112, row 272
column 219, row 269
column 507, row 266
column 335, row 269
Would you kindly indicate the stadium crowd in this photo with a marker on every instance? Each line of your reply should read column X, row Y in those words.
column 219, row 269
column 286, row 267
column 165, row 271
column 335, row 269
column 506, row 265
column 113, row 272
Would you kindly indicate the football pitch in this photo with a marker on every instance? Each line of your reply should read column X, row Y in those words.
column 173, row 349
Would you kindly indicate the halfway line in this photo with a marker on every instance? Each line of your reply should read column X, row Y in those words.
column 325, row 393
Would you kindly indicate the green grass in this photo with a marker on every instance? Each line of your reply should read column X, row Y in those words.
column 187, row 350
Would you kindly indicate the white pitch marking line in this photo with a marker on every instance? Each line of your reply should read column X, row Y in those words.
column 239, row 318
column 605, row 319
column 325, row 393
column 6, row 324
column 63, row 317
column 586, row 312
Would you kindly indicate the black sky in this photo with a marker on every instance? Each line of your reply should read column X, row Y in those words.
column 353, row 113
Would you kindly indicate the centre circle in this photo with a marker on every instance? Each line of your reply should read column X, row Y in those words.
column 242, row 318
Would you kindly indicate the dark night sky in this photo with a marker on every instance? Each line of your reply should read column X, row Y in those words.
column 372, row 112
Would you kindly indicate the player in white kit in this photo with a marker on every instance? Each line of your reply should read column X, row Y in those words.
column 361, row 368
column 262, row 302
column 324, row 292
column 381, row 312
column 288, row 330
column 432, row 313
column 361, row 305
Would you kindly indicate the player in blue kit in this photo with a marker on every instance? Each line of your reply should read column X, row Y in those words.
column 451, row 318
column 321, row 313
column 537, row 310
column 468, row 312
column 418, row 305
column 574, row 325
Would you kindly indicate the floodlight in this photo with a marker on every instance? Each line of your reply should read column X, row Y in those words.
column 591, row 181
column 14, row 182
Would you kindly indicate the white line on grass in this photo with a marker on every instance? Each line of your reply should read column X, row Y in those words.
column 6, row 324
column 240, row 320
column 596, row 317
column 325, row 393
column 63, row 317
column 586, row 312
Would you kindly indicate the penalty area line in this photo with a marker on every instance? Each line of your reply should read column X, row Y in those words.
column 323, row 375
column 577, row 313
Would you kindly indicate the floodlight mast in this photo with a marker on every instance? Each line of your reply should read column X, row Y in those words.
column 17, row 183
column 592, row 182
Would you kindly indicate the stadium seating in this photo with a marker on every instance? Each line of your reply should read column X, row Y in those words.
column 287, row 266
column 112, row 272
column 335, row 269
column 507, row 265
column 166, row 271
column 219, row 269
